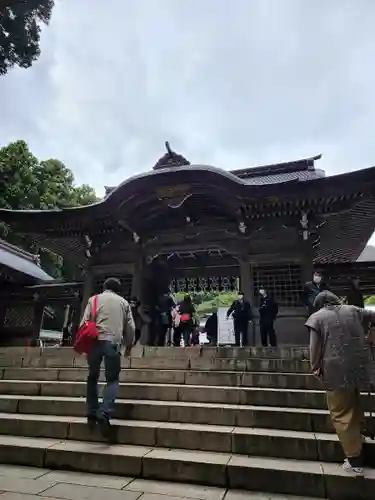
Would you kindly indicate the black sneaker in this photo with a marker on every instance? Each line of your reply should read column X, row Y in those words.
column 107, row 430
column 91, row 422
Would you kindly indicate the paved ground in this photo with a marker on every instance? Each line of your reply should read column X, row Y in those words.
column 29, row 483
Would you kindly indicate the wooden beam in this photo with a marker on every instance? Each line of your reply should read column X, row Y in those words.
column 88, row 289
column 246, row 280
column 138, row 268
column 207, row 271
column 113, row 269
column 37, row 322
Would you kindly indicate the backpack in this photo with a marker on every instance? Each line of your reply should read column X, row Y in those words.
column 87, row 334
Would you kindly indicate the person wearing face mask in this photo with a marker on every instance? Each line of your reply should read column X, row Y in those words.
column 241, row 312
column 311, row 290
column 268, row 310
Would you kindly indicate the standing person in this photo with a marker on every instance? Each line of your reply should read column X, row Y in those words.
column 242, row 314
column 211, row 328
column 165, row 306
column 268, row 310
column 115, row 324
column 186, row 322
column 141, row 319
column 340, row 356
column 312, row 289
column 135, row 309
column 355, row 296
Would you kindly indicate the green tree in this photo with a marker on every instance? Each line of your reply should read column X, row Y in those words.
column 84, row 195
column 27, row 183
column 55, row 187
column 17, row 179
column 209, row 301
column 20, row 27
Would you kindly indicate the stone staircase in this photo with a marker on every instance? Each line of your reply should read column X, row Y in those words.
column 250, row 419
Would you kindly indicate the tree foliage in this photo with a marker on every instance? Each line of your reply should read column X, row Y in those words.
column 370, row 301
column 20, row 27
column 27, row 183
column 209, row 301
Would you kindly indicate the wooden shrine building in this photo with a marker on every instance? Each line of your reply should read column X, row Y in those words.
column 197, row 227
column 19, row 270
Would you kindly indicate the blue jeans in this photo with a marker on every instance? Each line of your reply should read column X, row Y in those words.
column 103, row 349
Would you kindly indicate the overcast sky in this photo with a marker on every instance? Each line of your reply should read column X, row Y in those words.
column 229, row 83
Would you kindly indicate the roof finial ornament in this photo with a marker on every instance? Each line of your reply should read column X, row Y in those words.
column 171, row 159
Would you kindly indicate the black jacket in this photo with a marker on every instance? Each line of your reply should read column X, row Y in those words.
column 211, row 327
column 310, row 291
column 166, row 303
column 241, row 310
column 186, row 307
column 268, row 309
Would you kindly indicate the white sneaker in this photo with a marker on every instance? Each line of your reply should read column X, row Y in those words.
column 358, row 471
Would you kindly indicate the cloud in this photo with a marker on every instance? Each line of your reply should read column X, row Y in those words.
column 228, row 84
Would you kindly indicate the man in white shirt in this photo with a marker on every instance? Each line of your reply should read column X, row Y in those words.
column 116, row 328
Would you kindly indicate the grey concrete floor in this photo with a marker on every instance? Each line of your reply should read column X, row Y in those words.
column 29, row 483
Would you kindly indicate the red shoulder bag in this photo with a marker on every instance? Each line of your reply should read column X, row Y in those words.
column 87, row 334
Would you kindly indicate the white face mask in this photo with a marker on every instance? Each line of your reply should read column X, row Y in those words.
column 317, row 279
column 240, row 297
column 262, row 292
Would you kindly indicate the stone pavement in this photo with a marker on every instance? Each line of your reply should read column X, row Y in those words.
column 29, row 483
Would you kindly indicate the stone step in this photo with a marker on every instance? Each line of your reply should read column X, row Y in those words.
column 221, row 364
column 297, row 398
column 189, row 377
column 298, row 419
column 284, row 352
column 281, row 476
column 273, row 443
column 166, row 363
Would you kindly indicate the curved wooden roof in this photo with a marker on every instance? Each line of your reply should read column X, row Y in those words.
column 202, row 178
column 168, row 199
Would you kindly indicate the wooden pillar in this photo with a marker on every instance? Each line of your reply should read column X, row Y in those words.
column 76, row 315
column 307, row 262
column 37, row 321
column 307, row 224
column 247, row 287
column 65, row 329
column 3, row 310
column 137, row 277
column 246, row 280
column 88, row 289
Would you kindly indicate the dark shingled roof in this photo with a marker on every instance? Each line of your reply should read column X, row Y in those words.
column 302, row 170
